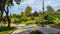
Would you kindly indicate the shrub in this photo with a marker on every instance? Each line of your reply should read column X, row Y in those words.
column 57, row 20
column 49, row 19
column 25, row 18
column 30, row 22
column 36, row 32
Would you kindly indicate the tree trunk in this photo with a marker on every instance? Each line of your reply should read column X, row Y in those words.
column 2, row 6
column 8, row 19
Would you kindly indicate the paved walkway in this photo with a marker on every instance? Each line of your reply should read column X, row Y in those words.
column 28, row 29
column 22, row 29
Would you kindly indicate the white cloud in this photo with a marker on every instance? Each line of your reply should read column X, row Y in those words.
column 35, row 4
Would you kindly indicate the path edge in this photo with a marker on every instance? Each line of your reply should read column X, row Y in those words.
column 12, row 31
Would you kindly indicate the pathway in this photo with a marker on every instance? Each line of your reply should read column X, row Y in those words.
column 28, row 29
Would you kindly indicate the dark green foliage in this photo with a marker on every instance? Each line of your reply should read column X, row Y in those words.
column 50, row 9
column 58, row 10
column 50, row 33
column 18, row 1
column 14, row 16
column 58, row 13
column 36, row 32
column 6, row 28
column 49, row 19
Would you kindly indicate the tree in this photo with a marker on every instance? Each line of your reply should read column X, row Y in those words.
column 6, row 3
column 49, row 14
column 2, row 5
column 22, row 14
column 58, row 13
column 14, row 16
column 28, row 10
column 50, row 10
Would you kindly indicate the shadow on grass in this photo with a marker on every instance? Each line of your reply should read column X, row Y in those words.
column 6, row 28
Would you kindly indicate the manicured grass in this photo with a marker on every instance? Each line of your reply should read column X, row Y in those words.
column 5, row 30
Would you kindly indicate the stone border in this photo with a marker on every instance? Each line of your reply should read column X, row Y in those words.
column 12, row 31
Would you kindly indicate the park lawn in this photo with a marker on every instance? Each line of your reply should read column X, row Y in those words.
column 5, row 30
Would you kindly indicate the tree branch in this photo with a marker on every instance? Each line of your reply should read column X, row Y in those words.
column 5, row 11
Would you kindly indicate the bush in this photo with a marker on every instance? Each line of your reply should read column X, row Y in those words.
column 36, row 32
column 57, row 20
column 25, row 18
column 30, row 22
column 49, row 19
column 15, row 20
column 49, row 22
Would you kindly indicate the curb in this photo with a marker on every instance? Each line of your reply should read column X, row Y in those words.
column 12, row 31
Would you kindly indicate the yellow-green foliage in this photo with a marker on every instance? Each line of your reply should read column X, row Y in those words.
column 7, row 2
column 28, row 22
column 14, row 20
column 57, row 20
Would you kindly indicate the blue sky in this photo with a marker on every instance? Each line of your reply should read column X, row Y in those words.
column 35, row 4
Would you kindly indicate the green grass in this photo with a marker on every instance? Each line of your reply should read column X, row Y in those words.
column 5, row 30
column 28, row 22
